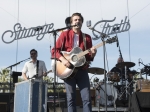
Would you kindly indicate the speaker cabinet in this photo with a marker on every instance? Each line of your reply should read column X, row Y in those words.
column 3, row 107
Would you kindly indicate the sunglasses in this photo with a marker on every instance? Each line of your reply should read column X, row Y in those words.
column 33, row 53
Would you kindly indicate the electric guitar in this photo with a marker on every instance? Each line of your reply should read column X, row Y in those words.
column 39, row 77
column 77, row 58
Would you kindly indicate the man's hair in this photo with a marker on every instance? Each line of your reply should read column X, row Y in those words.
column 33, row 50
column 120, row 58
column 76, row 14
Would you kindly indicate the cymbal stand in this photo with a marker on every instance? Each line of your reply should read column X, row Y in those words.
column 126, row 89
column 99, row 87
column 98, row 98
column 118, row 45
column 121, row 80
column 114, row 102
column 126, row 80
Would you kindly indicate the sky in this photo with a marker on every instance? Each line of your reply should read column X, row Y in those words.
column 134, row 44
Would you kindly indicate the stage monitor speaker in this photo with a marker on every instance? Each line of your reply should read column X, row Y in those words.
column 140, row 102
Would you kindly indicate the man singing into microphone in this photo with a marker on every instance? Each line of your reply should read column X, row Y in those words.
column 66, row 42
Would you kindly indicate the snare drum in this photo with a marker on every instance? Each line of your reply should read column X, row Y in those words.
column 113, row 76
column 112, row 94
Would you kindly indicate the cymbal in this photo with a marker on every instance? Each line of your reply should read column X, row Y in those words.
column 95, row 70
column 123, row 64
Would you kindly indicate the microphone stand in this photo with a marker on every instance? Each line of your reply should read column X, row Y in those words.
column 118, row 45
column 10, row 72
column 121, row 72
column 104, row 51
column 102, row 35
column 54, row 35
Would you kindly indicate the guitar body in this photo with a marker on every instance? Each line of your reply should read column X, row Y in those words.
column 63, row 71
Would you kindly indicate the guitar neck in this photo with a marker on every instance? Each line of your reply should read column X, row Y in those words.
column 46, row 73
column 49, row 71
column 87, row 51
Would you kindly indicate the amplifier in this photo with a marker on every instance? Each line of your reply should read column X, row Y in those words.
column 143, row 85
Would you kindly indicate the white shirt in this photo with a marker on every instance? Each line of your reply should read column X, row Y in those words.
column 31, row 67
column 76, row 40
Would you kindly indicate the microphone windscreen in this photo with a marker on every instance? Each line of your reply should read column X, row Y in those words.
column 88, row 23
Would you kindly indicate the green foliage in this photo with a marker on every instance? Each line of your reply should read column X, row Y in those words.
column 20, row 79
column 48, row 79
column 4, row 75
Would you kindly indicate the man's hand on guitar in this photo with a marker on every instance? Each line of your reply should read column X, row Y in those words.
column 45, row 74
column 93, row 51
column 65, row 62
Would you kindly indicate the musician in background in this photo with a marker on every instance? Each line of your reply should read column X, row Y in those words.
column 121, row 71
column 66, row 42
column 120, row 84
column 129, row 72
column 35, row 68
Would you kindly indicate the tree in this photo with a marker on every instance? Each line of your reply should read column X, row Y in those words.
column 4, row 75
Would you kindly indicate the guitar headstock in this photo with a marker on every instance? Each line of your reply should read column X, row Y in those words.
column 111, row 40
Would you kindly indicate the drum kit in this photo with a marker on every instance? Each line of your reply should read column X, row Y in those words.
column 119, row 83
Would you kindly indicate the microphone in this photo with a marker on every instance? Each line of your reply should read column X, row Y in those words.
column 88, row 23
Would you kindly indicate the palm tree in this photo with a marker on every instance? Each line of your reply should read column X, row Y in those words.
column 4, row 78
column 4, row 75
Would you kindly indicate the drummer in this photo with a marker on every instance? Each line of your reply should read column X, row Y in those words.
column 129, row 72
column 121, row 71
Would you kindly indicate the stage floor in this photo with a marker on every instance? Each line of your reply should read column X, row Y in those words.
column 112, row 109
column 102, row 109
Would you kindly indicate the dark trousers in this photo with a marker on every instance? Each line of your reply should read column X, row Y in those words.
column 82, row 81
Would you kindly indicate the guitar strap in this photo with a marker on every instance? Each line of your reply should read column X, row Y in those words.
column 84, row 40
column 37, row 67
